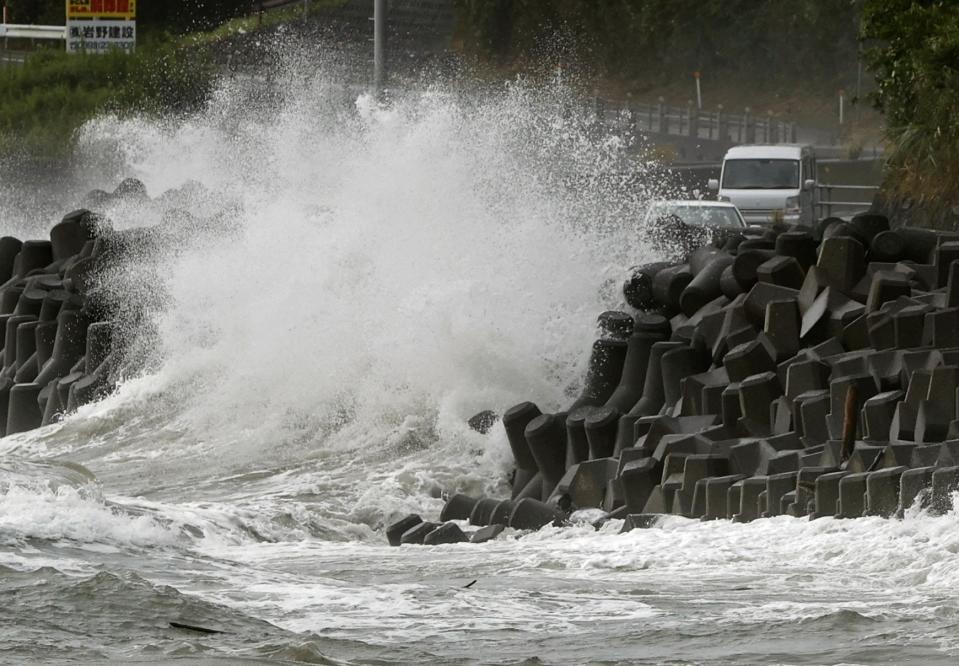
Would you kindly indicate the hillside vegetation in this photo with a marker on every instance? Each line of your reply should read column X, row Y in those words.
column 913, row 50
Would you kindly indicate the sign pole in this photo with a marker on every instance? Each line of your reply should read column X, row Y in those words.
column 379, row 45
column 699, row 92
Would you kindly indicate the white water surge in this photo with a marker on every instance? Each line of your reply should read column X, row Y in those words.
column 359, row 280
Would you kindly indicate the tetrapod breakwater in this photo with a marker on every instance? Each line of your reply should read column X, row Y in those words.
column 60, row 343
column 808, row 372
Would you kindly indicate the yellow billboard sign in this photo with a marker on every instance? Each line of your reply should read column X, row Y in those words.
column 101, row 9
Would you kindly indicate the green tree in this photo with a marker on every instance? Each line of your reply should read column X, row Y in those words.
column 913, row 50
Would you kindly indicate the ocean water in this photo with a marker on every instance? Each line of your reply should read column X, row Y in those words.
column 348, row 283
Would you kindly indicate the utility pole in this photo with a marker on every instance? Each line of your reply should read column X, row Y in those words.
column 379, row 46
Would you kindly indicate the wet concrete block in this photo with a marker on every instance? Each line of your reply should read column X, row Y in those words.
column 637, row 480
column 717, row 496
column 445, row 534
column 615, row 324
column 640, row 521
column 745, row 360
column 603, row 373
column 878, row 412
column 23, row 409
column 781, row 270
column 924, row 455
column 778, row 485
column 812, row 408
column 827, row 494
column 896, row 454
column 781, row 328
column 814, row 326
column 669, row 284
column 416, row 534
column 664, row 426
column 701, row 466
column 649, row 329
column 546, row 436
column 882, row 330
column 515, row 421
column 761, row 295
column 932, row 420
column 855, row 334
column 678, row 364
column 852, row 490
column 887, row 246
column 886, row 286
column 34, row 255
column 600, row 427
column 588, row 486
column 749, row 492
column 731, row 410
column 682, row 503
column 805, row 491
column 903, row 426
column 531, row 514
column 799, row 245
column 704, row 287
column 501, row 513
column 943, row 327
column 577, row 444
column 487, row 533
column 660, row 501
column 805, row 376
column 734, row 498
column 483, row 511
column 915, row 488
column 396, row 530
column 945, row 483
column 458, row 507
column 638, row 288
column 865, row 387
column 882, row 491
column 908, row 326
column 653, row 397
column 918, row 387
column 946, row 253
column 864, row 458
column 948, row 454
column 746, row 263
column 843, row 260
column 755, row 395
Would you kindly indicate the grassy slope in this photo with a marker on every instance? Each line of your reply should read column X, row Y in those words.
column 44, row 102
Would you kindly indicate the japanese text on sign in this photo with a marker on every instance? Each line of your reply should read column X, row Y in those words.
column 101, row 36
column 102, row 9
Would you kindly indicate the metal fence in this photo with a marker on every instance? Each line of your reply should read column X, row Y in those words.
column 828, row 205
column 689, row 121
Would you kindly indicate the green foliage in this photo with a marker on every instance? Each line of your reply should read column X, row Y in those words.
column 914, row 54
column 770, row 41
column 176, row 16
column 46, row 100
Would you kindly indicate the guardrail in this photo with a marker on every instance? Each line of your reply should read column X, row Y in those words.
column 690, row 121
column 826, row 206
column 15, row 31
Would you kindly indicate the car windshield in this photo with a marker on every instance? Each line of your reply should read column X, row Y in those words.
column 700, row 216
column 758, row 174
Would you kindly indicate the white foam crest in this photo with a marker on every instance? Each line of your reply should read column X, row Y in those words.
column 397, row 268
column 65, row 513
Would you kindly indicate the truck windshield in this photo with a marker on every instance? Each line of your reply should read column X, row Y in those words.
column 760, row 174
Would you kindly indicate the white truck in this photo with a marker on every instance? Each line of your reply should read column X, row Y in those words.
column 769, row 183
